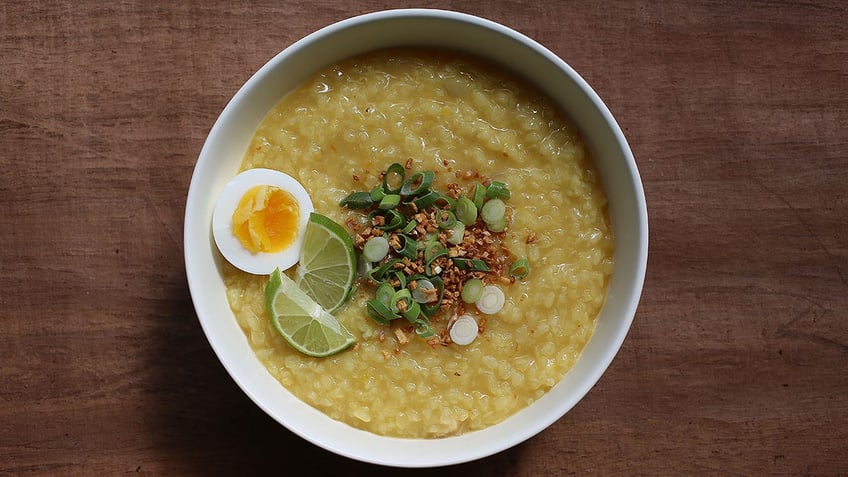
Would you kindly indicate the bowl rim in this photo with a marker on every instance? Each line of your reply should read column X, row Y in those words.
column 453, row 448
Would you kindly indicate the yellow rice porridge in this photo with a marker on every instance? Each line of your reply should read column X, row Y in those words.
column 449, row 114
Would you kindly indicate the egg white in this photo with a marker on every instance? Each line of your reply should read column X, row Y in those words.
column 260, row 263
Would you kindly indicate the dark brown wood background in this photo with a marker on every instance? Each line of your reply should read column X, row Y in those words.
column 736, row 362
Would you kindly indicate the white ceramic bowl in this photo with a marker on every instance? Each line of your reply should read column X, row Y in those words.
column 224, row 148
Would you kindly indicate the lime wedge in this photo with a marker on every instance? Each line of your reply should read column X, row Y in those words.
column 327, row 266
column 306, row 326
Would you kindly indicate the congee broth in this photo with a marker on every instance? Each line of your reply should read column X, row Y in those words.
column 465, row 121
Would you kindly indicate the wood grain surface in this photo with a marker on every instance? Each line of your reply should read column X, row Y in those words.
column 737, row 361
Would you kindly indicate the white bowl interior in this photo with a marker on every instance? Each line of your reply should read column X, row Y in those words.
column 225, row 147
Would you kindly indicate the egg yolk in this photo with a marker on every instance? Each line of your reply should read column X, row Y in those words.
column 266, row 219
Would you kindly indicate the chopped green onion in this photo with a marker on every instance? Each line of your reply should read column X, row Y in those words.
column 380, row 273
column 425, row 200
column 491, row 300
column 432, row 269
column 389, row 201
column 393, row 178
column 408, row 247
column 363, row 266
column 445, row 202
column 379, row 312
column 409, row 227
column 400, row 278
column 392, row 220
column 457, row 232
column 445, row 219
column 377, row 194
column 479, row 195
column 375, row 249
column 520, row 269
column 384, row 293
column 420, row 294
column 497, row 190
column 431, row 253
column 466, row 211
column 493, row 211
column 417, row 184
column 431, row 309
column 390, row 207
column 498, row 226
column 464, row 330
column 472, row 290
column 471, row 264
column 423, row 329
column 434, row 250
column 357, row 200
column 413, row 312
column 401, row 296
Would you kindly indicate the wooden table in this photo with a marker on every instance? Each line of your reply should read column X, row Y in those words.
column 736, row 363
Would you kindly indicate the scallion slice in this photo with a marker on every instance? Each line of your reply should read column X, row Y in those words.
column 413, row 312
column 493, row 211
column 363, row 266
column 377, row 194
column 408, row 247
column 384, row 293
column 497, row 190
column 479, row 195
column 471, row 264
column 431, row 308
column 389, row 201
column 400, row 278
column 379, row 312
column 423, row 329
column 357, row 200
column 434, row 250
column 417, row 184
column 457, row 232
column 425, row 200
column 466, row 211
column 464, row 330
column 491, row 300
column 498, row 226
column 409, row 227
column 375, row 249
column 431, row 253
column 391, row 220
column 393, row 178
column 445, row 202
column 421, row 293
column 445, row 219
column 380, row 273
column 401, row 296
column 520, row 269
column 472, row 290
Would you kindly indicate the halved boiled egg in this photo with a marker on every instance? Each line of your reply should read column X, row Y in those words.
column 260, row 219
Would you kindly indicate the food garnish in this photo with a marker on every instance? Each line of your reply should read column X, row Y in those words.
column 327, row 268
column 428, row 253
column 520, row 269
column 304, row 324
column 491, row 300
column 464, row 330
column 301, row 311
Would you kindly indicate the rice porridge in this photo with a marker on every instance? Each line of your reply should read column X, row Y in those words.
column 454, row 116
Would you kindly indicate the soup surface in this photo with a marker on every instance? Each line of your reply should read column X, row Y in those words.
column 451, row 115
